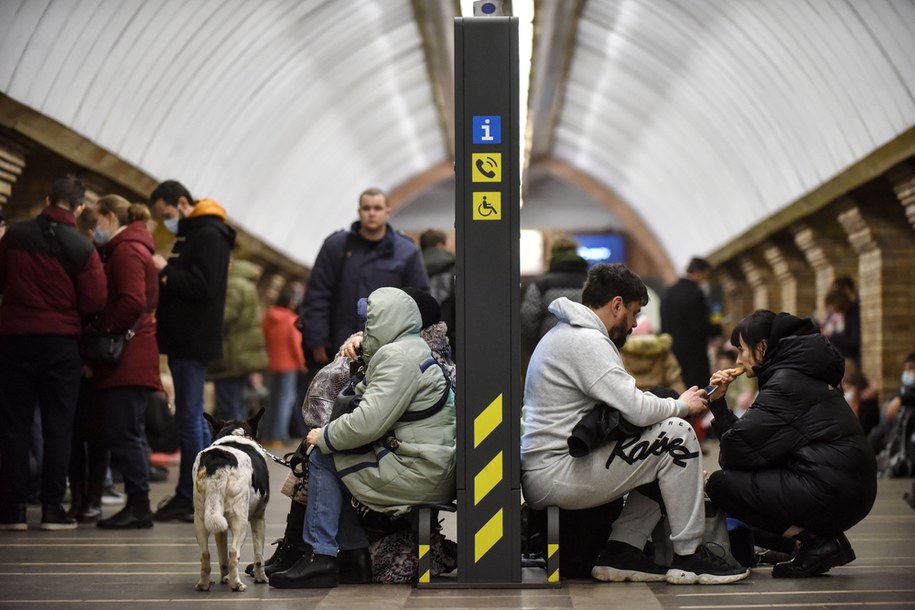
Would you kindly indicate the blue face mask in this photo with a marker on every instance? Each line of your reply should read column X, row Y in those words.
column 171, row 224
column 908, row 378
column 101, row 236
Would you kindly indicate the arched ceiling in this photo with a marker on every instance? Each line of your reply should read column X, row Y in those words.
column 705, row 116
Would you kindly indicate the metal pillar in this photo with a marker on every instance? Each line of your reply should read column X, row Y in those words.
column 488, row 228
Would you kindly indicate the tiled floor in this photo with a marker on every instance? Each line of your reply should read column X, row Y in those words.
column 157, row 568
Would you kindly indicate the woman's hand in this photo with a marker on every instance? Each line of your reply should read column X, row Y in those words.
column 352, row 347
column 723, row 379
column 312, row 438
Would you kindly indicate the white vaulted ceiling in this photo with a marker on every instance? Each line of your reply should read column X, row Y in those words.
column 704, row 116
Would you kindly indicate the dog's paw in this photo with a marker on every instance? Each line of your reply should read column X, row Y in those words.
column 203, row 587
column 260, row 577
column 239, row 587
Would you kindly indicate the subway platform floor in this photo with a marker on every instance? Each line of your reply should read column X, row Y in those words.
column 157, row 568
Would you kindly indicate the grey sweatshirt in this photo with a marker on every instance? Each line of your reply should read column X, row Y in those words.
column 574, row 367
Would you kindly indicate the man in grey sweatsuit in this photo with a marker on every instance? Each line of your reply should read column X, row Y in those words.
column 577, row 365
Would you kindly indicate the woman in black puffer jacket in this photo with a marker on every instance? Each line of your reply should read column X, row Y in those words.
column 797, row 463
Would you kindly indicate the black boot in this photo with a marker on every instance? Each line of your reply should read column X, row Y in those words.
column 77, row 500
column 312, row 571
column 816, row 555
column 285, row 557
column 134, row 515
column 355, row 567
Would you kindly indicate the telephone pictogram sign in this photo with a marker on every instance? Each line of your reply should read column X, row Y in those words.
column 487, row 205
column 486, row 167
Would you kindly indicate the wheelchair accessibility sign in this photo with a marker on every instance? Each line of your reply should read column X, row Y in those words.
column 487, row 206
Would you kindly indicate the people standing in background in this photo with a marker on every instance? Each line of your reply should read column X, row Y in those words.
column 50, row 279
column 685, row 315
column 285, row 361
column 350, row 265
column 243, row 350
column 122, row 391
column 566, row 275
column 843, row 318
column 439, row 264
column 192, row 284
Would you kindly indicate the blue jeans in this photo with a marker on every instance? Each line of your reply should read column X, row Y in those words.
column 193, row 431
column 229, row 404
column 275, row 423
column 331, row 522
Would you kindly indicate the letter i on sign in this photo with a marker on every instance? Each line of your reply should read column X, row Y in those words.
column 487, row 129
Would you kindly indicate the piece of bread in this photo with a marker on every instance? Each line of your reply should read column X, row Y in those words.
column 738, row 371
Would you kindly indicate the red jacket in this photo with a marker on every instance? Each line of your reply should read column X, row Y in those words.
column 40, row 295
column 283, row 340
column 133, row 292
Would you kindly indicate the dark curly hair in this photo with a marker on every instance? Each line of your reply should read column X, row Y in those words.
column 609, row 280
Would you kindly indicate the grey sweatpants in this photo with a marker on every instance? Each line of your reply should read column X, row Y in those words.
column 667, row 452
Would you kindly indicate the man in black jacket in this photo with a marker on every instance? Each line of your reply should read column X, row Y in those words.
column 685, row 316
column 190, row 318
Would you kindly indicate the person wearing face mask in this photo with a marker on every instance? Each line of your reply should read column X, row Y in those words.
column 122, row 391
column 898, row 405
column 576, row 365
column 797, row 464
column 192, row 284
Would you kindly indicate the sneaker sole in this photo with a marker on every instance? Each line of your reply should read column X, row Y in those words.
column 57, row 527
column 682, row 577
column 610, row 574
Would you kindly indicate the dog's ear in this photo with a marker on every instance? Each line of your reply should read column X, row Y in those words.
column 215, row 424
column 255, row 420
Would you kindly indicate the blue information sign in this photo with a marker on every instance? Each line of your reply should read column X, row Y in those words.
column 487, row 130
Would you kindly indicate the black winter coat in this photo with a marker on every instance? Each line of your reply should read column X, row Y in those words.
column 193, row 289
column 800, row 439
column 685, row 316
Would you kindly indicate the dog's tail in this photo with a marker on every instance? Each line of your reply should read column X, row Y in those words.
column 213, row 510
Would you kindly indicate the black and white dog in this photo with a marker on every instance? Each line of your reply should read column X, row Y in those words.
column 231, row 489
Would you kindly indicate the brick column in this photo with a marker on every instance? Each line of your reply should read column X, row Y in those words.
column 902, row 178
column 885, row 247
column 795, row 277
column 762, row 282
column 738, row 302
column 828, row 253
column 12, row 162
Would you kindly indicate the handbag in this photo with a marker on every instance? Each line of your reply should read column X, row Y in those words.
column 104, row 348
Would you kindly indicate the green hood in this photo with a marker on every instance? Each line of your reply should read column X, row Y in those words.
column 392, row 314
column 245, row 269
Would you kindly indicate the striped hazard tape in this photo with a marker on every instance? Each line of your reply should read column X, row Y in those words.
column 488, row 478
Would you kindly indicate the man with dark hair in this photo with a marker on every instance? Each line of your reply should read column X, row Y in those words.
column 576, row 369
column 351, row 265
column 686, row 317
column 50, row 279
column 190, row 316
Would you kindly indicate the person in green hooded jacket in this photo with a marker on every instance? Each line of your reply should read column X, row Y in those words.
column 410, row 458
column 243, row 348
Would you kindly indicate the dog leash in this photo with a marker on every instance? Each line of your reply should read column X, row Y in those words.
column 278, row 460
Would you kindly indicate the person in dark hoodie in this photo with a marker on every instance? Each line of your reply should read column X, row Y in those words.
column 797, row 463
column 566, row 276
column 192, row 284
column 122, row 391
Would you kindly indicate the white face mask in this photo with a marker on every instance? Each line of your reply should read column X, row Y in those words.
column 908, row 378
column 100, row 236
column 171, row 224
